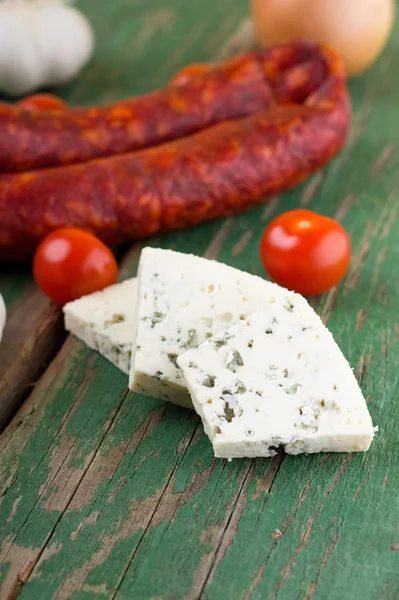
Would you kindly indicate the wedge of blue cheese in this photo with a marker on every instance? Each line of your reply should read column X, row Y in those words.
column 277, row 379
column 105, row 321
column 182, row 301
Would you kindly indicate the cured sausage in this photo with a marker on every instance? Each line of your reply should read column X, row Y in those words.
column 218, row 172
column 239, row 87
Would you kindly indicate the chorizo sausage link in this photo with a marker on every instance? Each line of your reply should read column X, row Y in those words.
column 221, row 171
column 239, row 87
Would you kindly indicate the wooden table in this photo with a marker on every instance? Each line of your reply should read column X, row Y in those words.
column 105, row 494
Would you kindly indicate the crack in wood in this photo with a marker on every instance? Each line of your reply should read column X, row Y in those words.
column 360, row 488
column 305, row 535
column 22, row 578
column 210, row 536
column 264, row 486
column 19, row 581
column 366, row 360
column 230, row 530
column 313, row 585
column 173, row 501
column 226, row 539
column 178, row 462
column 286, row 571
column 277, row 535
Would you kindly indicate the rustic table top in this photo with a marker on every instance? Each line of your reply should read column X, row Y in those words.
column 104, row 494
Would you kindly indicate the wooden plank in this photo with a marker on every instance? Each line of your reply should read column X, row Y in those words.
column 105, row 494
column 31, row 339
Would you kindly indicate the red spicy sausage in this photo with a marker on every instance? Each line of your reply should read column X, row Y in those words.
column 242, row 86
column 218, row 172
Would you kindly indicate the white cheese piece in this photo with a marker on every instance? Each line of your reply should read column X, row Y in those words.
column 277, row 379
column 105, row 321
column 184, row 300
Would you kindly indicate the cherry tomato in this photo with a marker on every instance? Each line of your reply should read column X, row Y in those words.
column 42, row 102
column 188, row 73
column 70, row 263
column 305, row 252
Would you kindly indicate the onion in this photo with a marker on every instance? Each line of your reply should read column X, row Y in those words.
column 358, row 29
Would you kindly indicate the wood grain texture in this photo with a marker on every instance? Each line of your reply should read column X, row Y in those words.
column 105, row 494
column 31, row 339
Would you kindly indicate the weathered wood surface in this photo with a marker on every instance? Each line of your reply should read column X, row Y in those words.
column 31, row 339
column 108, row 495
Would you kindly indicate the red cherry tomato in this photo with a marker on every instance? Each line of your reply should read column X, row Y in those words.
column 42, row 102
column 305, row 252
column 188, row 73
column 70, row 263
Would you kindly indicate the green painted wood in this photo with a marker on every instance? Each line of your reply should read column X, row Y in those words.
column 108, row 495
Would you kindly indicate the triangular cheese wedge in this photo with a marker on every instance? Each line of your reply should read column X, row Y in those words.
column 277, row 379
column 182, row 301
column 105, row 321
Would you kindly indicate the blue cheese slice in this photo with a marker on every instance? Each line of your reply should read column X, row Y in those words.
column 105, row 321
column 277, row 379
column 184, row 300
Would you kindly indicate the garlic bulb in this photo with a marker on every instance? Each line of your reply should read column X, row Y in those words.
column 42, row 43
column 2, row 316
